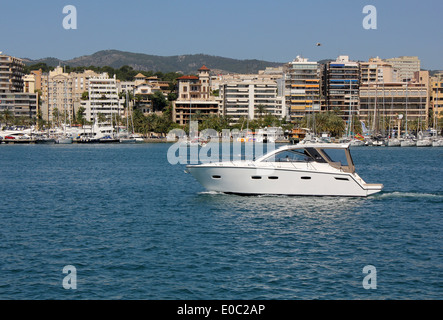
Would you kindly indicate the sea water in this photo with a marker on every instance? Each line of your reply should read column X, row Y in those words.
column 133, row 226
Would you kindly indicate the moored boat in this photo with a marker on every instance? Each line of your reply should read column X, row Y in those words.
column 394, row 143
column 437, row 143
column 424, row 143
column 408, row 143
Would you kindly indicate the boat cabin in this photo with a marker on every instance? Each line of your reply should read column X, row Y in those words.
column 337, row 156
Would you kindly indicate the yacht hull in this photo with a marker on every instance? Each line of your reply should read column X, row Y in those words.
column 65, row 141
column 424, row 143
column 273, row 181
column 407, row 143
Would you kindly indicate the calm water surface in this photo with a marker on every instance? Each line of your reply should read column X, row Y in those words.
column 136, row 227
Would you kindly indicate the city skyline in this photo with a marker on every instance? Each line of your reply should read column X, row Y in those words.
column 271, row 31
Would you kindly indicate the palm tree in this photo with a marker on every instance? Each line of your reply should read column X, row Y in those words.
column 7, row 116
column 101, row 117
column 261, row 109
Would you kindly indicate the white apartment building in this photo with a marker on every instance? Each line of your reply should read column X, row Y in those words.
column 251, row 97
column 103, row 99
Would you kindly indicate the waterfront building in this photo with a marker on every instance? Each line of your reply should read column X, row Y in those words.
column 302, row 88
column 406, row 66
column 20, row 104
column 140, row 78
column 194, row 98
column 29, row 83
column 57, row 95
column 381, row 104
column 12, row 86
column 38, row 78
column 250, row 97
column 125, row 86
column 142, row 93
column 62, row 92
column 377, row 71
column 341, row 87
column 436, row 97
column 274, row 71
column 103, row 99
column 11, row 74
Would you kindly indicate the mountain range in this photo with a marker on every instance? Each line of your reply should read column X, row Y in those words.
column 187, row 64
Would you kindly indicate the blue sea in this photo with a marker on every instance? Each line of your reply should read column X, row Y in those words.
column 136, row 227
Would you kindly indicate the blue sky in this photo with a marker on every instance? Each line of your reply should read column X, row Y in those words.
column 277, row 30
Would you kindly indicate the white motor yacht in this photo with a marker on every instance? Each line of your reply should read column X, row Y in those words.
column 310, row 169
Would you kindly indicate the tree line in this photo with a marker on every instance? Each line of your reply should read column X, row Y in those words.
column 124, row 73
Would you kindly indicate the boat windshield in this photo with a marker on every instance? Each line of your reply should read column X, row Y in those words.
column 296, row 155
column 337, row 156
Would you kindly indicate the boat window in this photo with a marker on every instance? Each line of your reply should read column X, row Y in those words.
column 336, row 155
column 315, row 155
column 290, row 156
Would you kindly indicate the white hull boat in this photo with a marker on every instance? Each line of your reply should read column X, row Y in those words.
column 127, row 141
column 67, row 140
column 408, row 143
column 297, row 170
column 424, row 143
column 357, row 143
column 137, row 138
column 437, row 143
column 394, row 143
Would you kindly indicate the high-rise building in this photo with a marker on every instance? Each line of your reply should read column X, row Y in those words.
column 11, row 74
column 12, row 95
column 21, row 104
column 377, row 71
column 57, row 95
column 302, row 87
column 341, row 85
column 436, row 92
column 406, row 67
column 381, row 104
column 250, row 97
column 64, row 91
column 29, row 83
column 103, row 99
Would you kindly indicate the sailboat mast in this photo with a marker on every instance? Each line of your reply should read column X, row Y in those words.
column 406, row 128
column 374, row 123
column 127, row 113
